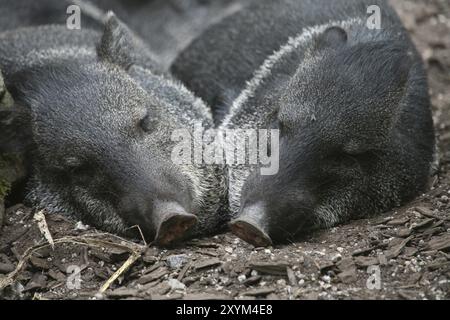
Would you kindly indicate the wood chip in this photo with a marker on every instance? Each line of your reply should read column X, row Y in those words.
column 363, row 251
column 121, row 293
column 366, row 261
column 202, row 244
column 406, row 295
column 205, row 296
column 438, row 265
column 439, row 243
column 39, row 263
column 184, row 271
column 382, row 259
column 260, row 292
column 398, row 222
column 382, row 220
column 150, row 256
column 291, row 277
column 208, row 263
column 252, row 280
column 273, row 268
column 325, row 266
column 429, row 214
column 422, row 224
column 153, row 276
column 6, row 268
column 404, row 233
column 348, row 276
column 38, row 281
column 57, row 275
column 395, row 251
column 346, row 263
column 174, row 296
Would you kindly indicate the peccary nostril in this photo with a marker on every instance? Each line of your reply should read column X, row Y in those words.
column 172, row 223
column 251, row 226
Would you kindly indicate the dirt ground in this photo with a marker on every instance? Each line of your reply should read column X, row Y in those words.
column 403, row 254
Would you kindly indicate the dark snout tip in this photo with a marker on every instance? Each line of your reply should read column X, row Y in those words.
column 250, row 233
column 250, row 226
column 173, row 223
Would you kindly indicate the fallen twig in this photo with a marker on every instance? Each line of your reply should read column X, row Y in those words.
column 39, row 217
column 86, row 240
column 130, row 261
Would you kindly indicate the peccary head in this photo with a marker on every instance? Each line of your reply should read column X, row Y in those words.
column 355, row 139
column 101, row 144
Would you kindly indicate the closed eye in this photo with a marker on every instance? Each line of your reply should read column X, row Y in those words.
column 148, row 124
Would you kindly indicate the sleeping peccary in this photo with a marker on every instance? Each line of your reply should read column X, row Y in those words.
column 97, row 123
column 350, row 102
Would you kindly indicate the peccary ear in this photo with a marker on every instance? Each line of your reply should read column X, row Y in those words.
column 331, row 38
column 120, row 46
column 384, row 68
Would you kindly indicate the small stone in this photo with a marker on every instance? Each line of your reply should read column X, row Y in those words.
column 99, row 296
column 241, row 278
column 176, row 285
column 79, row 226
column 281, row 282
column 228, row 250
column 336, row 257
column 176, row 261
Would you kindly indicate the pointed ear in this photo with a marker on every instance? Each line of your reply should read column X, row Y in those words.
column 120, row 46
column 332, row 37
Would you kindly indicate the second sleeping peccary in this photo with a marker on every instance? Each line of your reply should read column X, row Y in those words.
column 350, row 102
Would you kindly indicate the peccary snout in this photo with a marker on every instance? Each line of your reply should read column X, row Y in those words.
column 172, row 222
column 276, row 209
column 253, row 225
column 160, row 204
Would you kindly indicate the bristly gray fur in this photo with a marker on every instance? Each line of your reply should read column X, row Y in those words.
column 56, row 61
